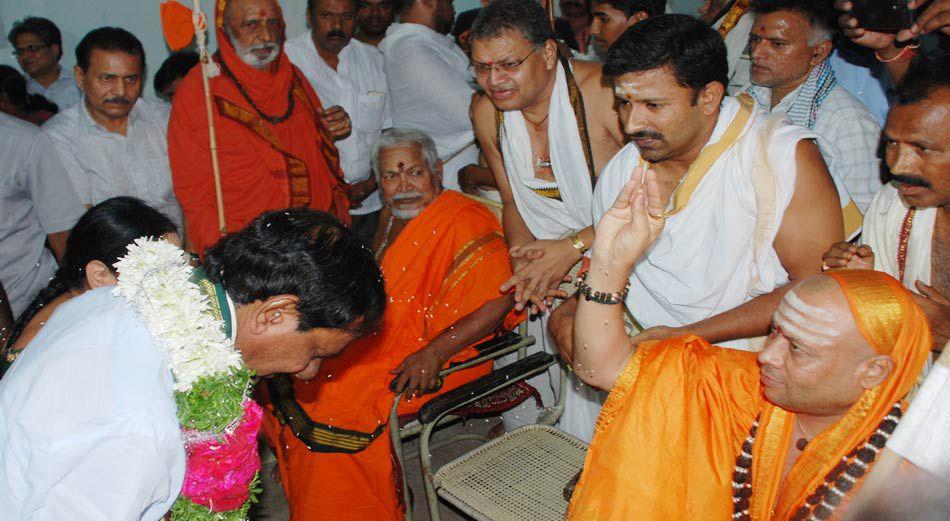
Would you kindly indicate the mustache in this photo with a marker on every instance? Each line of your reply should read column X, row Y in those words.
column 336, row 33
column 119, row 100
column 911, row 180
column 269, row 46
column 408, row 195
column 647, row 134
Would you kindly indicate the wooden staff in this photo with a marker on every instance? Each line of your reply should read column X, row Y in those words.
column 200, row 22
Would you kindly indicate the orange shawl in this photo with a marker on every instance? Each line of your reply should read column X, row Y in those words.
column 666, row 442
column 446, row 263
column 264, row 166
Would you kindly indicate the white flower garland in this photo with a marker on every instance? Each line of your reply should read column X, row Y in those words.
column 155, row 279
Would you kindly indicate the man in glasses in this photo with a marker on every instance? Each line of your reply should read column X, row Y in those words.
column 546, row 126
column 38, row 46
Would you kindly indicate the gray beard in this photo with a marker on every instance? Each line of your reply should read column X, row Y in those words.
column 406, row 215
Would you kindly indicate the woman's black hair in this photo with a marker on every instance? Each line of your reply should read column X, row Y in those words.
column 13, row 85
column 103, row 233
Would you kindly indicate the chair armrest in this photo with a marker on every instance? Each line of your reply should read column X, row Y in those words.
column 477, row 389
column 495, row 347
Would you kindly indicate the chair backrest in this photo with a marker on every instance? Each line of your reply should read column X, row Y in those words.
column 494, row 206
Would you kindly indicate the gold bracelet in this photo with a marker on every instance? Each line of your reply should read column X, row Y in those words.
column 577, row 243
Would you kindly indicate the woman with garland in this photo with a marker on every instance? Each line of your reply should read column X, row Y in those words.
column 97, row 241
column 694, row 431
column 134, row 401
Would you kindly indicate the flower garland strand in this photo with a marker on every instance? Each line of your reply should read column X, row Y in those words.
column 211, row 384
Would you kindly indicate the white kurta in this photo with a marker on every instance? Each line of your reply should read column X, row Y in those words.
column 431, row 91
column 923, row 434
column 882, row 229
column 704, row 262
column 88, row 425
column 358, row 84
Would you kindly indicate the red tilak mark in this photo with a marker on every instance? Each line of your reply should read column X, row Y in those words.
column 261, row 13
column 401, row 166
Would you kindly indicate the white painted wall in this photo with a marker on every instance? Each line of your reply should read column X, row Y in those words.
column 77, row 17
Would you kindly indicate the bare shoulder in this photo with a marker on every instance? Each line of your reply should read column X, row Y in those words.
column 482, row 112
column 590, row 76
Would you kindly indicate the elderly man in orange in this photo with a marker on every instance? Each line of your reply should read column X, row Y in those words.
column 274, row 140
column 694, row 431
column 443, row 258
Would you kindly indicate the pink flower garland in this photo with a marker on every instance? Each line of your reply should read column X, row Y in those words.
column 218, row 474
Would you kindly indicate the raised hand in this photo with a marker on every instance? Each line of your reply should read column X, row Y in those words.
column 631, row 225
column 936, row 17
column 879, row 41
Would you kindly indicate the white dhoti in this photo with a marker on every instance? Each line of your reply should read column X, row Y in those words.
column 551, row 218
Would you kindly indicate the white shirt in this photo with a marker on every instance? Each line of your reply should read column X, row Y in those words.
column 104, row 164
column 853, row 135
column 88, row 423
column 359, row 86
column 36, row 199
column 63, row 92
column 431, row 91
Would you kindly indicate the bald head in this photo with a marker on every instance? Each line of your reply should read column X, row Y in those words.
column 816, row 361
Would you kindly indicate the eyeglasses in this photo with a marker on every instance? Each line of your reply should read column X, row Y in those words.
column 30, row 49
column 484, row 69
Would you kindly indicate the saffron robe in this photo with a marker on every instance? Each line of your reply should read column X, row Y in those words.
column 675, row 421
column 447, row 262
column 264, row 166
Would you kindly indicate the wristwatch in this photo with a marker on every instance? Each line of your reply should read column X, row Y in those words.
column 578, row 243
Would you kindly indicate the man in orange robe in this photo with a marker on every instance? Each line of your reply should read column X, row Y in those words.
column 274, row 142
column 694, row 431
column 443, row 258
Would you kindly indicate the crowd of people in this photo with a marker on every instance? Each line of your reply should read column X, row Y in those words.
column 731, row 227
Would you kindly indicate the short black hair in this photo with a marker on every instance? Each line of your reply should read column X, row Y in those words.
column 307, row 253
column 175, row 66
column 819, row 13
column 102, row 234
column 925, row 75
column 43, row 28
column 108, row 39
column 693, row 51
column 632, row 7
column 524, row 16
column 13, row 86
column 310, row 4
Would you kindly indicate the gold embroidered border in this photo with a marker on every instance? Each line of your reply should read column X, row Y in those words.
column 823, row 453
column 710, row 154
column 298, row 179
column 768, row 459
column 622, row 385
